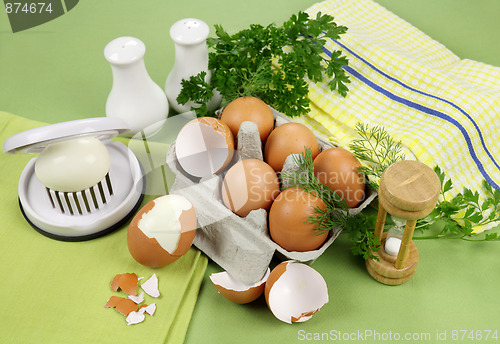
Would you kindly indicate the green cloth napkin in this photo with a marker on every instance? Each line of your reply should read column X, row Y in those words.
column 54, row 292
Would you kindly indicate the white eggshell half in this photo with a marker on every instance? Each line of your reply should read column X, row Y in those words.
column 203, row 149
column 226, row 281
column 298, row 293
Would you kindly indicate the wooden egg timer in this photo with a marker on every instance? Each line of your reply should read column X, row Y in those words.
column 408, row 190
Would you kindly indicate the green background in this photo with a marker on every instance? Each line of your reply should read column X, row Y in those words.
column 57, row 72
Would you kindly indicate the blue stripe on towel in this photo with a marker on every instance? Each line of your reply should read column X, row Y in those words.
column 469, row 117
column 424, row 109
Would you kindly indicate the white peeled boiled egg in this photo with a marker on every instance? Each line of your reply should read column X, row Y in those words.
column 204, row 146
column 162, row 231
column 236, row 291
column 73, row 165
column 294, row 292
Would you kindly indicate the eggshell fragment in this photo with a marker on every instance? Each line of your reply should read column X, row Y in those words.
column 151, row 286
column 295, row 291
column 135, row 318
column 162, row 231
column 150, row 309
column 137, row 299
column 204, row 146
column 126, row 282
column 122, row 305
column 236, row 291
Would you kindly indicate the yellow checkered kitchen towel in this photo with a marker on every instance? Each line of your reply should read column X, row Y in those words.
column 445, row 110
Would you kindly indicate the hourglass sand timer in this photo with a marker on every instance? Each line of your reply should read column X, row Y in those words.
column 408, row 191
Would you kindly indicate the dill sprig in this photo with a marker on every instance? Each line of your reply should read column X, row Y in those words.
column 377, row 150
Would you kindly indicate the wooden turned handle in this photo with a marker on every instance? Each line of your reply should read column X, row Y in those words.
column 379, row 225
column 405, row 244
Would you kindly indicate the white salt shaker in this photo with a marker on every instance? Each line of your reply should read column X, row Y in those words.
column 135, row 97
column 191, row 58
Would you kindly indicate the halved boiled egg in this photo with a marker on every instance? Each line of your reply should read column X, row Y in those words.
column 236, row 291
column 295, row 291
column 162, row 231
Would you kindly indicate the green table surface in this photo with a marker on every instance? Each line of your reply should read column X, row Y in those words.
column 57, row 72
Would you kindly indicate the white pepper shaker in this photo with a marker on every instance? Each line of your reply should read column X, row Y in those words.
column 191, row 58
column 134, row 97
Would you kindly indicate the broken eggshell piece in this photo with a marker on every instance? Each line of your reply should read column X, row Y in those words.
column 122, row 305
column 162, row 231
column 150, row 287
column 236, row 291
column 204, row 146
column 126, row 282
column 295, row 291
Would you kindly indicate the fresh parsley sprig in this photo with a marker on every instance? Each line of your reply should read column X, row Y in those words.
column 461, row 214
column 271, row 63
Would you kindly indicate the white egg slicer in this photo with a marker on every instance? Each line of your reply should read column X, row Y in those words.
column 80, row 204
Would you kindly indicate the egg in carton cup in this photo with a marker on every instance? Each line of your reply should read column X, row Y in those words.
column 242, row 245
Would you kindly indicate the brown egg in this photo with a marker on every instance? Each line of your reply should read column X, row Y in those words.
column 288, row 218
column 337, row 168
column 248, row 185
column 162, row 231
column 248, row 109
column 286, row 139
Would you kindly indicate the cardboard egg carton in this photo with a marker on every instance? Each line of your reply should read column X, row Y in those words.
column 241, row 246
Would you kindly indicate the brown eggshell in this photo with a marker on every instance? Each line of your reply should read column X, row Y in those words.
column 337, row 168
column 273, row 277
column 248, row 185
column 248, row 109
column 286, row 139
column 126, row 282
column 147, row 251
column 288, row 218
column 122, row 305
column 236, row 292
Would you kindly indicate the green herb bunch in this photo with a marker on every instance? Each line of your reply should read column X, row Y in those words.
column 459, row 216
column 454, row 217
column 270, row 63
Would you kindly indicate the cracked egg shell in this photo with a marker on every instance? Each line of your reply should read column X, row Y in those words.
column 236, row 291
column 204, row 146
column 162, row 231
column 295, row 291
